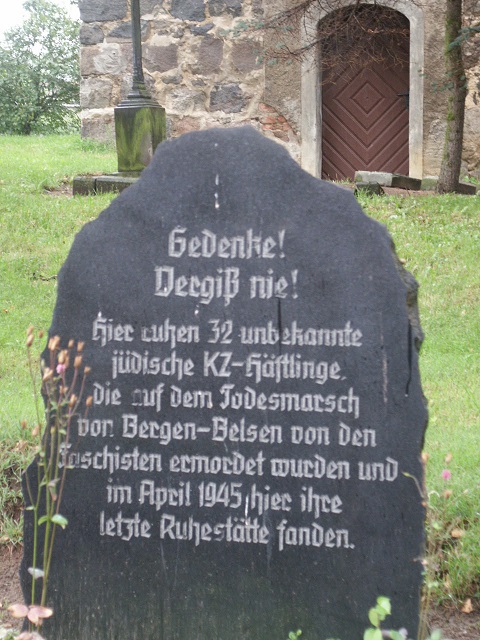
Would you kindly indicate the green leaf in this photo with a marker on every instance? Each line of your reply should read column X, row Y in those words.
column 43, row 519
column 436, row 635
column 372, row 634
column 384, row 602
column 396, row 635
column 60, row 520
column 373, row 617
column 382, row 614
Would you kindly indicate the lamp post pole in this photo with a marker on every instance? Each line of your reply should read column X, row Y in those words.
column 140, row 122
column 138, row 90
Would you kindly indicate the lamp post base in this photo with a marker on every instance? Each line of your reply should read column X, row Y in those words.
column 140, row 125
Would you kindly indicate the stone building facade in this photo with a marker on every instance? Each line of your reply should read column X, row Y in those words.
column 207, row 69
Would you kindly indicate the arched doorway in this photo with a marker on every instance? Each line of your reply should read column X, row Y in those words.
column 312, row 88
column 365, row 91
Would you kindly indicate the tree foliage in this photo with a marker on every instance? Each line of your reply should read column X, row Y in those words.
column 39, row 71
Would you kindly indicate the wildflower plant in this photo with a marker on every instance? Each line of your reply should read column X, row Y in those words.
column 63, row 379
column 439, row 535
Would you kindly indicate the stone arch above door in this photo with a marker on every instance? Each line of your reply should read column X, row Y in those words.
column 312, row 97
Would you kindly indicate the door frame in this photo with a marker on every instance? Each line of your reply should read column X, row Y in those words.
column 311, row 120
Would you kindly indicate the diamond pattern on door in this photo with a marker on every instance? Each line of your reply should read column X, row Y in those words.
column 365, row 121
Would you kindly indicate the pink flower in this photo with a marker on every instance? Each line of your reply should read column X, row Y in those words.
column 446, row 474
column 61, row 368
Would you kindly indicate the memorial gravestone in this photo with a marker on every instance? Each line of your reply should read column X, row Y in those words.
column 256, row 403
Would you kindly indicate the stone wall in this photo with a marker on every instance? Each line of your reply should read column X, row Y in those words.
column 196, row 61
column 202, row 67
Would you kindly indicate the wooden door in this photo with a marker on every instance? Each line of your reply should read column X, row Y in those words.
column 365, row 121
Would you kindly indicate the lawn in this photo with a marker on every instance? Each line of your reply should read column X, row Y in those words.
column 438, row 237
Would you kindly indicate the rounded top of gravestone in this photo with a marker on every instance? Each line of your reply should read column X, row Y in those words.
column 241, row 166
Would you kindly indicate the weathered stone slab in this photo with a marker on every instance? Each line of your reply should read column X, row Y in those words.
column 405, row 182
column 380, row 177
column 91, row 185
column 256, row 405
column 109, row 183
column 467, row 189
column 83, row 185
column 388, row 180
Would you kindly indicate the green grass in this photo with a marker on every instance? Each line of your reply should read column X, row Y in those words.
column 37, row 229
column 437, row 236
column 439, row 239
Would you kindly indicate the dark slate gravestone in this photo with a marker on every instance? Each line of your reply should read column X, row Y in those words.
column 255, row 372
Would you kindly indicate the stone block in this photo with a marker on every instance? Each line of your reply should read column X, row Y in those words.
column 96, row 92
column 405, row 182
column 117, row 183
column 184, row 100
column 202, row 29
column 210, row 56
column 377, row 177
column 467, row 188
column 102, row 59
column 228, row 98
column 98, row 125
column 102, row 10
column 160, row 58
column 123, row 31
column 245, row 56
column 193, row 10
column 386, row 179
column 91, row 34
column 225, row 7
column 84, row 185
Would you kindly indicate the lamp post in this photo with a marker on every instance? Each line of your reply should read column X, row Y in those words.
column 140, row 122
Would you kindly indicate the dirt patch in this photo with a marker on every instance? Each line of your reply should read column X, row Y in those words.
column 455, row 625
column 64, row 189
column 10, row 591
